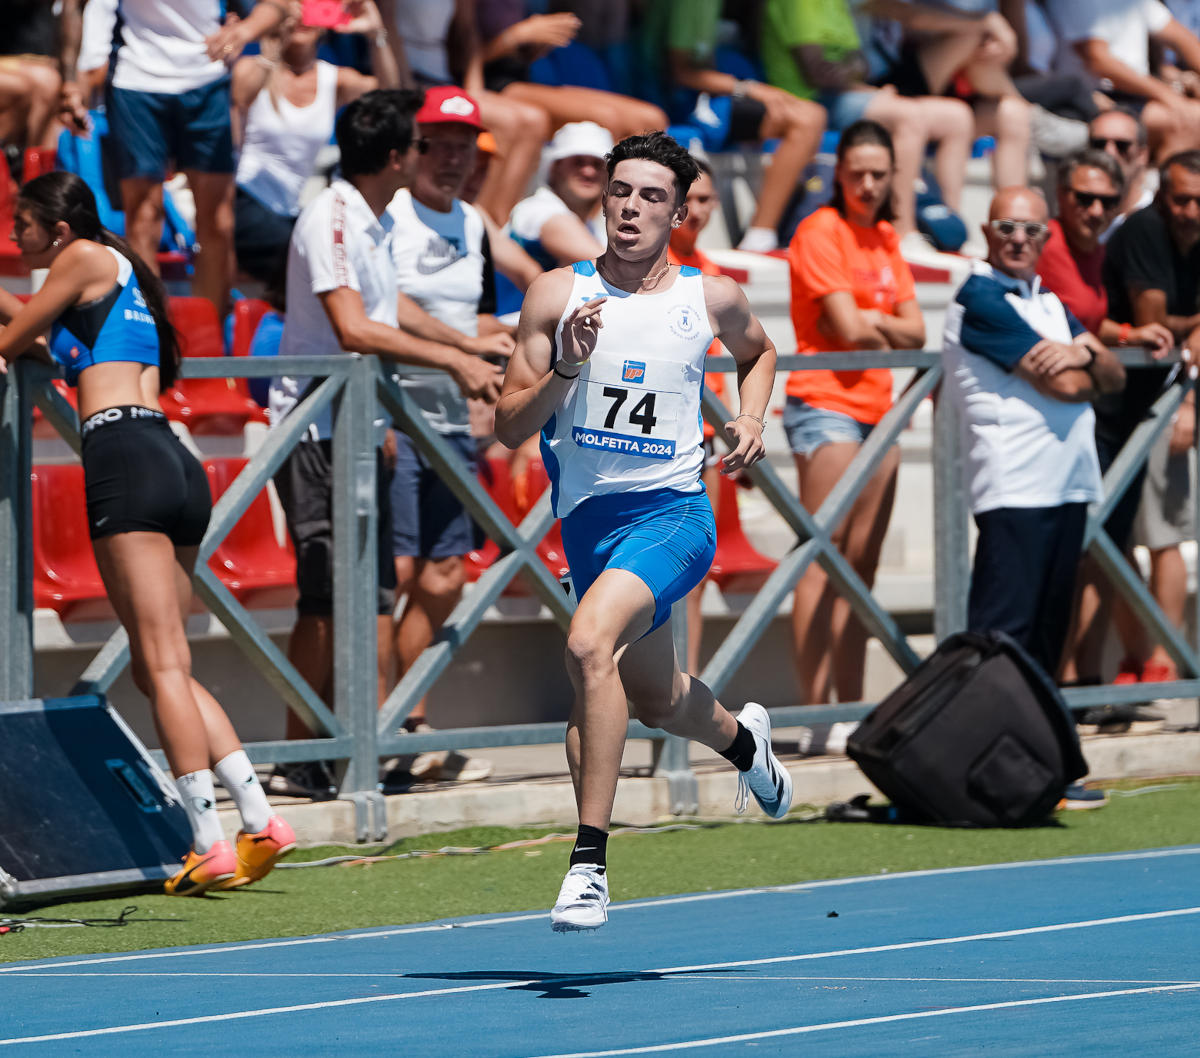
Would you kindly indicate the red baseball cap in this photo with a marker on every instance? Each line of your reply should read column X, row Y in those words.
column 448, row 104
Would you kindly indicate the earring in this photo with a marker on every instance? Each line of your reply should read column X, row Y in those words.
column 56, row 242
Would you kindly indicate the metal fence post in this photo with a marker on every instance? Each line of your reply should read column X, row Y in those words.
column 951, row 562
column 16, row 540
column 355, row 577
column 671, row 752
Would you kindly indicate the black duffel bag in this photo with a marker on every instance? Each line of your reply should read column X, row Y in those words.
column 978, row 735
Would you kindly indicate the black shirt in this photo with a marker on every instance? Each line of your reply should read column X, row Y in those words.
column 1142, row 256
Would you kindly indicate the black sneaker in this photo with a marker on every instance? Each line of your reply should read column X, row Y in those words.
column 311, row 778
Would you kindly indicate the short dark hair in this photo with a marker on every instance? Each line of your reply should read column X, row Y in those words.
column 1189, row 160
column 1090, row 158
column 1142, row 136
column 373, row 126
column 863, row 133
column 704, row 167
column 661, row 148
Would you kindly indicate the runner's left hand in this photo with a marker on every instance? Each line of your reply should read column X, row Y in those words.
column 746, row 437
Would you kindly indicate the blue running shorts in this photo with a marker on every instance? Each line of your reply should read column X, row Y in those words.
column 665, row 537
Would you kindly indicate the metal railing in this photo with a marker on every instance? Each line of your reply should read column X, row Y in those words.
column 352, row 730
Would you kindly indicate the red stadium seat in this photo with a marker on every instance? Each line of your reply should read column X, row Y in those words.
column 496, row 478
column 247, row 315
column 206, row 405
column 737, row 566
column 37, row 162
column 250, row 561
column 65, row 577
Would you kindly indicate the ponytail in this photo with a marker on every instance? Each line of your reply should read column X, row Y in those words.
column 62, row 196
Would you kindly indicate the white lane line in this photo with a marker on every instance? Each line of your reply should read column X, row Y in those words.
column 502, row 920
column 559, row 980
column 798, row 1030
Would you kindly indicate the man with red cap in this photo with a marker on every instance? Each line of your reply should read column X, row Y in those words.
column 447, row 294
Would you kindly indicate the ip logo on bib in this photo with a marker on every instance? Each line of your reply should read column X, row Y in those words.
column 633, row 371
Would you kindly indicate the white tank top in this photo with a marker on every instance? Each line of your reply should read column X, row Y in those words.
column 631, row 422
column 279, row 149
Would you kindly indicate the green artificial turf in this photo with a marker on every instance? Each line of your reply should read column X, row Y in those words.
column 320, row 899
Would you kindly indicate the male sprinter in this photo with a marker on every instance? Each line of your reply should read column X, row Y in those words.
column 609, row 365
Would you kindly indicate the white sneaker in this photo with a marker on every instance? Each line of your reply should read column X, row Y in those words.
column 767, row 779
column 582, row 900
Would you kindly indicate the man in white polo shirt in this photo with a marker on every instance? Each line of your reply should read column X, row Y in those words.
column 341, row 297
column 1023, row 371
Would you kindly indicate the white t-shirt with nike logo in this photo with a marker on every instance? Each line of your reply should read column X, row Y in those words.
column 439, row 264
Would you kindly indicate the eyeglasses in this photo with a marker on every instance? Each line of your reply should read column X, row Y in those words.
column 1100, row 143
column 1084, row 200
column 1006, row 229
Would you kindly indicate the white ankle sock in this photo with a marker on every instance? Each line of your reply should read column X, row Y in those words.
column 236, row 774
column 200, row 804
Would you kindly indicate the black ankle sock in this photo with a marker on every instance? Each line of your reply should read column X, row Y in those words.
column 741, row 753
column 591, row 846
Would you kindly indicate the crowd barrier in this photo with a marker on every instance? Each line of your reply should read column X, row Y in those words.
column 355, row 733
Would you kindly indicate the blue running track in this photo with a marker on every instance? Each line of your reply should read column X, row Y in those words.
column 1089, row 956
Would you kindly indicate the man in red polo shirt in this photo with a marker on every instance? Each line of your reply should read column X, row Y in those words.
column 1090, row 186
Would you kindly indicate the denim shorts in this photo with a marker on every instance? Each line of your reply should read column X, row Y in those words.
column 428, row 520
column 149, row 130
column 845, row 108
column 808, row 428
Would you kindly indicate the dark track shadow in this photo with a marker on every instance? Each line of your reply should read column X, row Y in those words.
column 554, row 985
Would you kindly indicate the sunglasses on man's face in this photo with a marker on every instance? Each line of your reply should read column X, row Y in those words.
column 1084, row 200
column 1006, row 229
column 1100, row 143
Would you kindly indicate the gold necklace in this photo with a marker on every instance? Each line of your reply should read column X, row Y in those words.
column 647, row 280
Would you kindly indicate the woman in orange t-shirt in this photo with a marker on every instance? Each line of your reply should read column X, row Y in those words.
column 851, row 289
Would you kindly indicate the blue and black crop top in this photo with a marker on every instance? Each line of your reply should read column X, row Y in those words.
column 115, row 327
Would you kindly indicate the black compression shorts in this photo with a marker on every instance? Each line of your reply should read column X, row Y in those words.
column 139, row 478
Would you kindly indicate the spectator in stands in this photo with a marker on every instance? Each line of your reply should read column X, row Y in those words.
column 29, row 79
column 1111, row 40
column 168, row 103
column 1063, row 102
column 562, row 222
column 1023, row 370
column 812, row 49
column 148, row 504
column 439, row 249
column 1152, row 275
column 960, row 47
column 439, row 38
column 1121, row 134
column 682, row 250
column 851, row 289
column 94, row 32
column 284, row 102
column 681, row 36
column 341, row 297
column 513, row 39
column 1091, row 186
column 509, row 259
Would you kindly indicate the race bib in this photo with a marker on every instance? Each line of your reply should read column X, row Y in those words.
column 629, row 407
